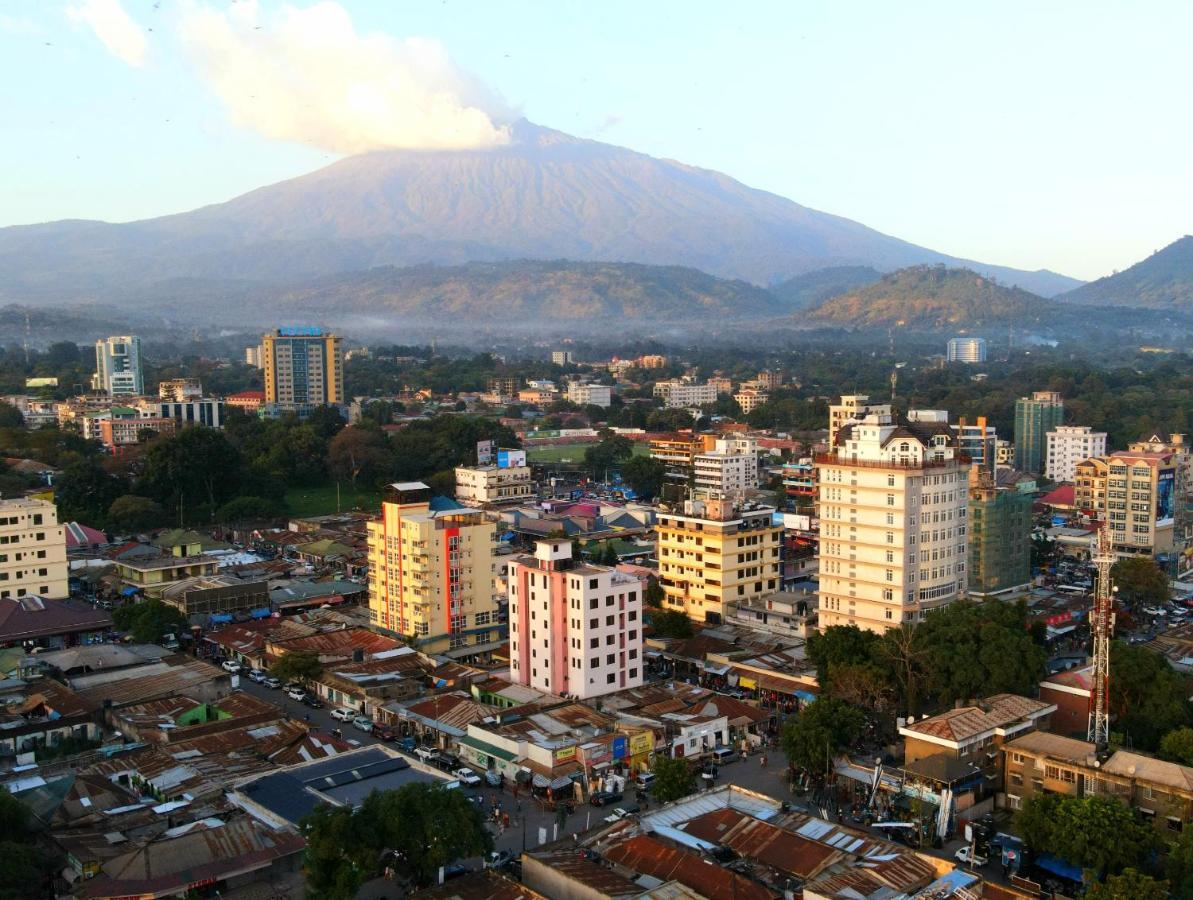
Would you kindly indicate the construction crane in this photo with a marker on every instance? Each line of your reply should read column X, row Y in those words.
column 1102, row 628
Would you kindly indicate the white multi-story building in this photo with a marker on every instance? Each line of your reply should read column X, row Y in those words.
column 575, row 629
column 1067, row 445
column 893, row 508
column 32, row 550
column 750, row 397
column 562, row 357
column 193, row 411
column 586, row 394
column 731, row 467
column 488, row 485
column 677, row 394
column 967, row 350
column 180, row 389
column 851, row 407
column 118, row 366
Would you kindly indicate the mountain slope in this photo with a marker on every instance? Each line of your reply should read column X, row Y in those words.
column 544, row 196
column 813, row 288
column 1162, row 281
column 933, row 297
column 533, row 291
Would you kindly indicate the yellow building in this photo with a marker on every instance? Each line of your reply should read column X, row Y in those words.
column 304, row 368
column 32, row 550
column 432, row 572
column 715, row 554
column 1138, row 493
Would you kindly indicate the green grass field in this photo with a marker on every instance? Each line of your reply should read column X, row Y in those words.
column 574, row 452
column 321, row 501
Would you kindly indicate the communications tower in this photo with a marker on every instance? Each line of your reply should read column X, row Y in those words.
column 1102, row 628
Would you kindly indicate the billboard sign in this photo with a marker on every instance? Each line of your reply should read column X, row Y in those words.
column 484, row 453
column 1165, row 498
column 509, row 458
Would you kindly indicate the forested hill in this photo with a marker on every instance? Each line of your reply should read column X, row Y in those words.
column 931, row 297
column 1162, row 281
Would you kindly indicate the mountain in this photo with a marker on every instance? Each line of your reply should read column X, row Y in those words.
column 1162, row 281
column 533, row 291
column 931, row 297
column 545, row 195
column 813, row 288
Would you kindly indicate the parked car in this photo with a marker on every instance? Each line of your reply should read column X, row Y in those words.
column 343, row 714
column 272, row 683
column 257, row 675
column 604, row 798
column 644, row 780
column 363, row 723
column 455, row 870
column 312, row 701
column 499, row 859
column 468, row 777
column 494, row 778
column 968, row 857
column 295, row 693
column 384, row 732
column 724, row 755
column 426, row 754
column 230, row 665
column 620, row 813
column 449, row 762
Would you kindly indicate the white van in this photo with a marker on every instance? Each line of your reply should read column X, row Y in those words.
column 644, row 780
column 724, row 755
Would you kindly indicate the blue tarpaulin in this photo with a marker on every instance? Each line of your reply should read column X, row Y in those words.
column 1059, row 867
column 221, row 618
column 263, row 613
column 129, row 591
column 806, row 696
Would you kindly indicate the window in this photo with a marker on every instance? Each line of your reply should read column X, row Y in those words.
column 594, row 623
column 610, row 678
column 592, row 604
column 594, row 643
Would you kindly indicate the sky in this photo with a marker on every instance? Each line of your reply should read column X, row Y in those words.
column 1036, row 135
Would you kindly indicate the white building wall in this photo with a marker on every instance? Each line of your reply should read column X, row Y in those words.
column 1068, row 445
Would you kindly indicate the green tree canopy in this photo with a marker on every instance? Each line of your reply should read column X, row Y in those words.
column 360, row 453
column 608, row 454
column 1140, row 582
column 653, row 595
column 1147, row 698
column 196, row 466
column 1178, row 865
column 1177, row 746
column 820, row 730
column 841, row 645
column 85, row 492
column 414, row 830
column 129, row 512
column 148, row 620
column 1130, row 885
column 1097, row 833
column 249, row 509
column 673, row 778
column 644, row 475
column 671, row 623
column 301, row 667
column 10, row 416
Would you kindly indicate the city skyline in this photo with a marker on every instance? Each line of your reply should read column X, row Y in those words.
column 787, row 100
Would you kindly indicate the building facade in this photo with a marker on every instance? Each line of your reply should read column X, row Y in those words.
column 750, row 398
column 562, row 357
column 1137, row 493
column 193, row 411
column 967, row 350
column 1035, row 416
column 575, row 629
column 851, row 407
column 731, row 467
column 118, row 366
column 432, row 573
column 32, row 550
column 585, row 394
column 489, row 485
column 1067, row 445
column 716, row 553
column 979, row 442
column 893, row 512
column 180, row 389
column 1000, row 524
column 304, row 368
column 678, row 394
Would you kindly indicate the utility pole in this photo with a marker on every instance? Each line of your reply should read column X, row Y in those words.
column 1102, row 626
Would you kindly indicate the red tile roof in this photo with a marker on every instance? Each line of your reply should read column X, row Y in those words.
column 649, row 856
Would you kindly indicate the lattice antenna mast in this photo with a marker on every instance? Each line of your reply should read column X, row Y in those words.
column 1102, row 626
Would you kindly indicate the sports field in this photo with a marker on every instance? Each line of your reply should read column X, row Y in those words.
column 574, row 452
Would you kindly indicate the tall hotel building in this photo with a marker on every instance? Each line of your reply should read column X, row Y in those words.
column 893, row 505
column 304, row 368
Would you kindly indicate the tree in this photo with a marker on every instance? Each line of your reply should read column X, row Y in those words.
column 644, row 474
column 10, row 416
column 1130, row 885
column 673, row 778
column 360, row 452
column 248, row 509
column 414, row 830
column 904, row 651
column 85, row 492
column 1036, row 821
column 300, row 667
column 844, row 645
column 654, row 594
column 810, row 738
column 1096, row 833
column 1147, row 698
column 148, row 620
column 1178, row 865
column 129, row 512
column 1140, row 582
column 195, row 466
column 608, row 454
column 1177, row 746
column 671, row 623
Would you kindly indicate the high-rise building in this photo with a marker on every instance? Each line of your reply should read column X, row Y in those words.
column 979, row 442
column 586, row 394
column 33, row 560
column 967, row 350
column 118, row 366
column 715, row 553
column 1137, row 493
column 575, row 628
column 1159, row 442
column 1067, row 445
column 677, row 394
column 750, row 397
column 1000, row 525
column 503, row 386
column 731, row 467
column 562, row 357
column 255, row 356
column 851, row 407
column 769, row 380
column 893, row 506
column 304, row 368
column 1035, row 416
column 432, row 571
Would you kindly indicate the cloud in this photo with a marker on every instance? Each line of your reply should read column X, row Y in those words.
column 19, row 26
column 307, row 75
column 123, row 37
